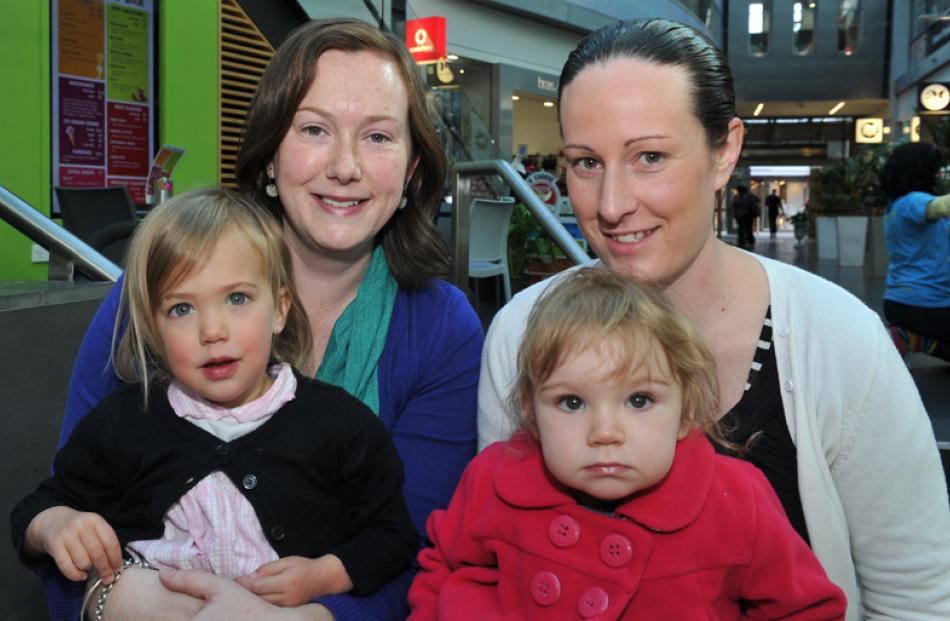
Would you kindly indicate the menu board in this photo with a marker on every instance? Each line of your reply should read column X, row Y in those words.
column 103, row 95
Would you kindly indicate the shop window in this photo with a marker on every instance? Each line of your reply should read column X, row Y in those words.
column 803, row 27
column 849, row 26
column 760, row 17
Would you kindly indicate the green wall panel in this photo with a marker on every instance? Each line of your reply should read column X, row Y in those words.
column 188, row 85
column 24, row 126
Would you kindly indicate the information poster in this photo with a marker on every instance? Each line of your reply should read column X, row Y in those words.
column 103, row 94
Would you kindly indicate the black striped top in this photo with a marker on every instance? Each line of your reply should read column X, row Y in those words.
column 758, row 421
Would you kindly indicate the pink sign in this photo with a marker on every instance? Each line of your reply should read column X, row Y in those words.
column 76, row 177
column 81, row 114
column 136, row 188
column 128, row 139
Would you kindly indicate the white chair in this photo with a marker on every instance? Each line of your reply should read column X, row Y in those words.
column 488, row 240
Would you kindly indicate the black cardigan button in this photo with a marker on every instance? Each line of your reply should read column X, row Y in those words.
column 223, row 448
column 249, row 482
column 277, row 532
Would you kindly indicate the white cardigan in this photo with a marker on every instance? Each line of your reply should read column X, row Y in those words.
column 869, row 473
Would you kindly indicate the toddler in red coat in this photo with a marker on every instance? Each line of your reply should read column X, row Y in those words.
column 611, row 502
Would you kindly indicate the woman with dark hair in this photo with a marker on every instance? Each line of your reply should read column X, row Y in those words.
column 917, row 233
column 339, row 145
column 809, row 381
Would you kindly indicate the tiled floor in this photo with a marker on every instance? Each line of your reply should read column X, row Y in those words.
column 931, row 374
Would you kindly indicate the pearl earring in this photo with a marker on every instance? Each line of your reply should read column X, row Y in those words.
column 271, row 189
column 402, row 202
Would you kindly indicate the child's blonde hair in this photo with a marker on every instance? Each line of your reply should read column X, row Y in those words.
column 593, row 307
column 173, row 240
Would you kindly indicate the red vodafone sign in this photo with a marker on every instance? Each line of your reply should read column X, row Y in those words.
column 425, row 38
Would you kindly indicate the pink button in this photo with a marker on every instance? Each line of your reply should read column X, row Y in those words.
column 593, row 601
column 564, row 531
column 615, row 550
column 545, row 588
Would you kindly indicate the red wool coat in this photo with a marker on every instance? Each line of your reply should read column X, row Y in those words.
column 709, row 542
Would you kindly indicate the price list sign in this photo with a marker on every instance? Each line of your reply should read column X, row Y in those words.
column 103, row 95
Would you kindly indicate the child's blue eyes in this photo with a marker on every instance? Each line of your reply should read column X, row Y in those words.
column 179, row 310
column 182, row 309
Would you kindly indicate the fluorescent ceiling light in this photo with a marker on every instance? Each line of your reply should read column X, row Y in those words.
column 838, row 106
column 452, row 57
column 758, row 109
column 515, row 98
column 549, row 104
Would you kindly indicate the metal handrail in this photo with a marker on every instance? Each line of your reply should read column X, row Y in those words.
column 42, row 230
column 462, row 173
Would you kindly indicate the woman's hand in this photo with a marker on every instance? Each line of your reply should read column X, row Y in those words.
column 295, row 580
column 226, row 600
column 140, row 595
column 77, row 541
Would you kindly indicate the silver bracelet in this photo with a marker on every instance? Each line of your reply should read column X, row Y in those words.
column 104, row 593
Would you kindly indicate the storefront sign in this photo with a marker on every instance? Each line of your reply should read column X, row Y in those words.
column 102, row 93
column 869, row 130
column 933, row 97
column 547, row 85
column 425, row 38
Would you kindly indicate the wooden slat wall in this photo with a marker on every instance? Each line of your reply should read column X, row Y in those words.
column 243, row 54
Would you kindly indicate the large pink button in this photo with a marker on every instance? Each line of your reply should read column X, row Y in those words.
column 593, row 601
column 545, row 588
column 615, row 550
column 564, row 531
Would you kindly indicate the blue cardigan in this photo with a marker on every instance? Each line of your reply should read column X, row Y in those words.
column 428, row 379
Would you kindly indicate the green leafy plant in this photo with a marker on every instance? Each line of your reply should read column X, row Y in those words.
column 526, row 238
column 851, row 186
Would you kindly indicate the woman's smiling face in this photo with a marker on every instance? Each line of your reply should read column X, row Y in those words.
column 342, row 166
column 641, row 174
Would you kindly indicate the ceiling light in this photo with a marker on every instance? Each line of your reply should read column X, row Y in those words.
column 452, row 57
column 462, row 71
column 838, row 106
column 515, row 98
column 549, row 104
column 758, row 109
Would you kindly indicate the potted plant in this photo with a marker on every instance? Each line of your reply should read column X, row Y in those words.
column 531, row 253
column 849, row 191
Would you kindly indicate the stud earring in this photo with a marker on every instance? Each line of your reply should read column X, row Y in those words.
column 402, row 202
column 271, row 189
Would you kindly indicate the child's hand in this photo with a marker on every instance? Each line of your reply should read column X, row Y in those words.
column 294, row 580
column 76, row 541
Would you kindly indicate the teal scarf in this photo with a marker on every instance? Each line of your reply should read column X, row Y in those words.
column 359, row 335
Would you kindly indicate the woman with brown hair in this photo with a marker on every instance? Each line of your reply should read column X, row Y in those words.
column 339, row 146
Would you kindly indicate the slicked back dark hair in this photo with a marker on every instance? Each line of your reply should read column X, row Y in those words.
column 912, row 167
column 665, row 42
column 415, row 250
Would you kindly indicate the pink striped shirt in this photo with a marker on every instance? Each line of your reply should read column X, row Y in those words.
column 213, row 527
